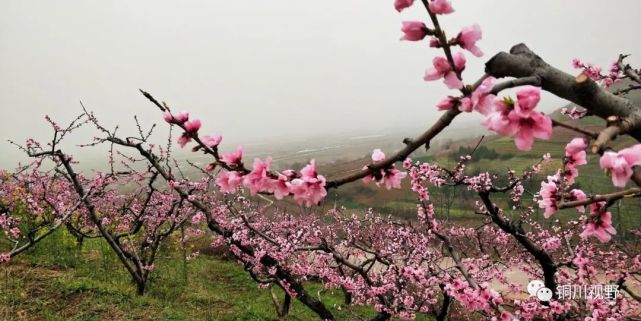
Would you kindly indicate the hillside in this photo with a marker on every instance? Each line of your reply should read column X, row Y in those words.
column 58, row 280
column 458, row 204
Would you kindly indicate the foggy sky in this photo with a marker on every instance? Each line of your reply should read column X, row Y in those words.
column 267, row 68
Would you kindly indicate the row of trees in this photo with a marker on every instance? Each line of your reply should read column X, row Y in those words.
column 402, row 268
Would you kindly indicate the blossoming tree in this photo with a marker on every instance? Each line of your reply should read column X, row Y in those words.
column 402, row 268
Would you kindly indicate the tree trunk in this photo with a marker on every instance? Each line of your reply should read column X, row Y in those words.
column 184, row 254
column 381, row 316
column 286, row 304
column 140, row 288
column 445, row 309
column 281, row 309
column 348, row 296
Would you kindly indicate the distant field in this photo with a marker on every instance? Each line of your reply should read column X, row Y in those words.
column 403, row 202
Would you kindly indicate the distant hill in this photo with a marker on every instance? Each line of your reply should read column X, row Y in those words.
column 503, row 156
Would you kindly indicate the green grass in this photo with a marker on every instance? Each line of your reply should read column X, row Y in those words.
column 59, row 281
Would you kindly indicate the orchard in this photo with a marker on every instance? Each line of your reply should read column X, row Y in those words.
column 271, row 222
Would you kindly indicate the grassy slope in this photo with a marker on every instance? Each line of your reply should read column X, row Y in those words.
column 58, row 282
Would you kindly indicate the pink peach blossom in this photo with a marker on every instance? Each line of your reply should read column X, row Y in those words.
column 14, row 232
column 233, row 158
column 168, row 117
column 442, row 69
column 481, row 100
column 482, row 97
column 576, row 145
column 378, row 155
column 210, row 141
column 537, row 125
column 466, row 105
column 570, row 173
column 407, row 163
column 307, row 193
column 518, row 119
column 600, row 224
column 309, row 171
column 414, row 30
column 620, row 164
column 434, row 42
column 390, row 177
column 547, row 157
column 446, row 104
column 197, row 218
column 367, row 179
column 528, row 97
column 468, row 37
column 279, row 187
column 228, row 181
column 393, row 177
column 192, row 126
column 498, row 120
column 399, row 5
column 258, row 180
column 184, row 139
column 578, row 195
column 548, row 193
column 441, row 7
column 176, row 119
column 310, row 188
column 575, row 152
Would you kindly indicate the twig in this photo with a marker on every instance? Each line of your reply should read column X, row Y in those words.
column 577, row 129
column 632, row 192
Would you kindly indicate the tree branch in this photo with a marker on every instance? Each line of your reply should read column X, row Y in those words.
column 577, row 129
column 632, row 192
column 521, row 62
column 412, row 145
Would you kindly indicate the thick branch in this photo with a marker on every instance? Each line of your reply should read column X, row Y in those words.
column 522, row 62
column 627, row 70
column 447, row 303
column 605, row 136
column 410, row 147
column 93, row 215
column 544, row 259
column 54, row 227
column 621, row 283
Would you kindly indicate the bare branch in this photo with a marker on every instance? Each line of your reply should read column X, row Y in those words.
column 577, row 129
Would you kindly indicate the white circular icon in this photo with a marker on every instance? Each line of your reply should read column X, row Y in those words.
column 534, row 286
column 544, row 294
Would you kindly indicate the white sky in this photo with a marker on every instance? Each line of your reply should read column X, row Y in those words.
column 258, row 68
